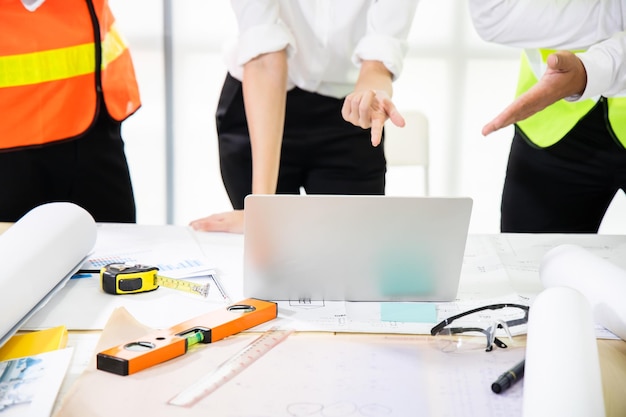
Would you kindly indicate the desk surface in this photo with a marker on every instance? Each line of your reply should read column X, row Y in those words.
column 612, row 355
column 325, row 361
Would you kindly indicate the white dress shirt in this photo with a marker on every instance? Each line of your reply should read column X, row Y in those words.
column 325, row 40
column 551, row 24
column 596, row 25
column 605, row 64
column 32, row 5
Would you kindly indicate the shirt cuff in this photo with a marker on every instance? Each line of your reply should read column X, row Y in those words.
column 599, row 74
column 263, row 39
column 388, row 50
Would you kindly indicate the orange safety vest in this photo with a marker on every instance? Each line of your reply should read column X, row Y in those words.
column 54, row 64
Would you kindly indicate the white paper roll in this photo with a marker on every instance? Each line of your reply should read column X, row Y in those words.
column 600, row 281
column 562, row 371
column 38, row 254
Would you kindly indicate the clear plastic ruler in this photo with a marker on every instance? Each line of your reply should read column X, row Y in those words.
column 231, row 367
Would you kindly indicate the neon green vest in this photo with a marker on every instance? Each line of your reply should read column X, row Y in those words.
column 550, row 125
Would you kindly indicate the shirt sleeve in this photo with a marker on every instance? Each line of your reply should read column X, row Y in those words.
column 552, row 24
column 388, row 26
column 260, row 30
column 606, row 67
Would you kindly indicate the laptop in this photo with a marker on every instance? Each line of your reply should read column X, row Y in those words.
column 354, row 247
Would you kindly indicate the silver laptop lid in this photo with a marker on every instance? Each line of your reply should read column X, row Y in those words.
column 354, row 248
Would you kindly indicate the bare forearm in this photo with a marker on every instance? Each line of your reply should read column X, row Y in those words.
column 264, row 92
column 374, row 76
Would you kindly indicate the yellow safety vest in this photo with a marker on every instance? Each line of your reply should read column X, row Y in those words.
column 550, row 125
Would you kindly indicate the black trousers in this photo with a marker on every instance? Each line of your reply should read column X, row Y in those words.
column 567, row 187
column 321, row 152
column 90, row 171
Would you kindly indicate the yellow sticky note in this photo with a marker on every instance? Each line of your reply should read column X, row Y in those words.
column 34, row 343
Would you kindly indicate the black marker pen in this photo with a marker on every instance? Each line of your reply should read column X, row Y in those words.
column 508, row 378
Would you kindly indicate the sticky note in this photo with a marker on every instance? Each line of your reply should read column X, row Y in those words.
column 409, row 312
column 34, row 343
column 404, row 272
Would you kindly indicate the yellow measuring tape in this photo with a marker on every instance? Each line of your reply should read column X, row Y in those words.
column 125, row 278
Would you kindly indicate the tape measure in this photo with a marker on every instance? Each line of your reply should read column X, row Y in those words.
column 129, row 278
column 231, row 368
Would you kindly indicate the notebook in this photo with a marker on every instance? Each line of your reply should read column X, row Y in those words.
column 354, row 248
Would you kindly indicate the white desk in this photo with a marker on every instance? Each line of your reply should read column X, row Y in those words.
column 326, row 357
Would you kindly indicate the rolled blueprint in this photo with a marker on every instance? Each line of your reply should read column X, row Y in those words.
column 38, row 254
column 562, row 371
column 600, row 281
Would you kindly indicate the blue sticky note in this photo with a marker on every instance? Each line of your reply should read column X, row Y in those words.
column 405, row 273
column 409, row 312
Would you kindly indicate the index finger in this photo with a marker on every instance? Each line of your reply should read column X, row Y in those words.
column 377, row 130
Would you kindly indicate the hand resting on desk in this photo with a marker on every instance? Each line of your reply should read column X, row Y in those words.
column 230, row 222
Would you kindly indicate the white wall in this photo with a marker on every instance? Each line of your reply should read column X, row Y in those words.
column 452, row 76
column 141, row 23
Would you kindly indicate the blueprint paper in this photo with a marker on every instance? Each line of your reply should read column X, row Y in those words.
column 562, row 371
column 308, row 374
column 38, row 255
column 30, row 384
column 83, row 305
column 602, row 282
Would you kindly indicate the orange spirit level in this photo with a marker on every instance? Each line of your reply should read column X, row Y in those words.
column 164, row 345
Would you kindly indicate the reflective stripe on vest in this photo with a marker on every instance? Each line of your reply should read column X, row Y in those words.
column 550, row 125
column 58, row 64
column 48, row 71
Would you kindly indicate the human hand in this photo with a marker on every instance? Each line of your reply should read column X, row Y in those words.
column 231, row 222
column 565, row 77
column 371, row 109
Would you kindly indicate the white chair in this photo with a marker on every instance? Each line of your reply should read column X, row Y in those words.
column 408, row 145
